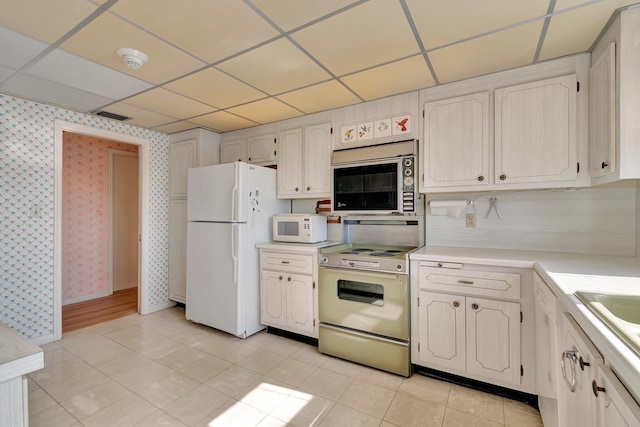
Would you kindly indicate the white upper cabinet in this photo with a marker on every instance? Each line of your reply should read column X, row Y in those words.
column 456, row 141
column 536, row 131
column 182, row 156
column 233, row 151
column 615, row 128
column 518, row 129
column 602, row 114
column 304, row 162
column 261, row 150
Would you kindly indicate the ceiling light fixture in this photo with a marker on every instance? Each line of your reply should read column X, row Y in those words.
column 133, row 58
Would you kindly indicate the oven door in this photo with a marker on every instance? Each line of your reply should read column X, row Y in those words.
column 374, row 187
column 371, row 302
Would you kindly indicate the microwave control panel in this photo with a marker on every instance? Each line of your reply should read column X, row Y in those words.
column 408, row 184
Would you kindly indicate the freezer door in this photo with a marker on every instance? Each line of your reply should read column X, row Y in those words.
column 218, row 193
column 216, row 276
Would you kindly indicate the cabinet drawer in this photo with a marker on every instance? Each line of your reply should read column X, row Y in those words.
column 471, row 282
column 287, row 262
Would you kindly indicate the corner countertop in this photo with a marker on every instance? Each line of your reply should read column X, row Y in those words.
column 565, row 274
column 17, row 355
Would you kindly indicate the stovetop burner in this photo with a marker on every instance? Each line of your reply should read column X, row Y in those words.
column 368, row 257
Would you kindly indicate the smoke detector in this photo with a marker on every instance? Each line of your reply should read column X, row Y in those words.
column 133, row 58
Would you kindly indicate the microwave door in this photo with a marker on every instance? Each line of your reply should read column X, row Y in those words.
column 367, row 188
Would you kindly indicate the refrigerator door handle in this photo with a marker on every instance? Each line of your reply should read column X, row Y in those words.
column 234, row 251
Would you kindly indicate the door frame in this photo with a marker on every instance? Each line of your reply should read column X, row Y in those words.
column 112, row 153
column 144, row 145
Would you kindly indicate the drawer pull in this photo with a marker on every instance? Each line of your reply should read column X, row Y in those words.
column 596, row 388
column 466, row 282
column 284, row 262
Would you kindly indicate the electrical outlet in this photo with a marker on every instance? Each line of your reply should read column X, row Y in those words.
column 471, row 220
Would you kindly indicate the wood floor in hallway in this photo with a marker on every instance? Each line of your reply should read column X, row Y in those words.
column 88, row 313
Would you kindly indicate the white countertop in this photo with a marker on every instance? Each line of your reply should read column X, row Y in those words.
column 566, row 273
column 301, row 247
column 17, row 355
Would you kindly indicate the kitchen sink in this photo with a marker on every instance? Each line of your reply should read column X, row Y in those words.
column 620, row 312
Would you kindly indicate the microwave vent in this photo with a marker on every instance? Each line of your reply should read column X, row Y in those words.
column 374, row 152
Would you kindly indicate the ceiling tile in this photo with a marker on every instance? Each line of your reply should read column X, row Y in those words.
column 41, row 90
column 210, row 29
column 398, row 77
column 265, row 111
column 71, row 70
column 576, row 30
column 175, row 127
column 17, row 50
column 495, row 52
column 215, row 88
column 100, row 39
column 321, row 97
column 222, row 121
column 44, row 20
column 443, row 22
column 275, row 68
column 166, row 102
column 5, row 73
column 288, row 14
column 367, row 35
column 139, row 116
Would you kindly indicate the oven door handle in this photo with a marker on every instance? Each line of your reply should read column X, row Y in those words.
column 360, row 273
column 367, row 336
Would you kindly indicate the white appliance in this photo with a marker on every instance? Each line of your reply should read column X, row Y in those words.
column 229, row 210
column 300, row 228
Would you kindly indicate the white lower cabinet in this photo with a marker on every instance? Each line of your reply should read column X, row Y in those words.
column 614, row 404
column 288, row 291
column 468, row 322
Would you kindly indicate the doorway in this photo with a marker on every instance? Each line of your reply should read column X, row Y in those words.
column 140, row 237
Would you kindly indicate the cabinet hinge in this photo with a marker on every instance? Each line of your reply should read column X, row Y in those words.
column 314, row 285
column 520, row 317
column 418, row 347
column 274, row 140
column 521, row 371
column 423, row 114
column 331, row 131
column 578, row 86
column 578, row 169
column 314, row 323
column 418, row 301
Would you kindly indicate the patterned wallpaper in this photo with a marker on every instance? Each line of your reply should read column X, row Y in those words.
column 26, row 211
column 85, row 215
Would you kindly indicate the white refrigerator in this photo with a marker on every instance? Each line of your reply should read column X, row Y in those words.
column 229, row 210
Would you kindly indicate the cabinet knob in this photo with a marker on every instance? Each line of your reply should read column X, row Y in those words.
column 280, row 278
column 475, row 306
column 456, row 304
column 503, row 177
column 249, row 159
column 596, row 389
column 289, row 279
column 583, row 363
column 481, row 178
column 308, row 188
column 604, row 165
column 296, row 188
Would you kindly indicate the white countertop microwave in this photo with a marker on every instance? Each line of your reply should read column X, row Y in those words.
column 299, row 228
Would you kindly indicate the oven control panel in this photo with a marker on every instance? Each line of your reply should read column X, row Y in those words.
column 408, row 184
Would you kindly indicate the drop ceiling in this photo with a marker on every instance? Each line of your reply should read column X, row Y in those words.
column 226, row 65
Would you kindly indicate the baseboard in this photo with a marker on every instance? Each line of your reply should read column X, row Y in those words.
column 161, row 306
column 44, row 339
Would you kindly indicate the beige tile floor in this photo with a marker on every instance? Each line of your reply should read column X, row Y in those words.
column 161, row 370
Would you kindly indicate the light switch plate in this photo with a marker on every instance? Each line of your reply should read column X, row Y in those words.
column 471, row 220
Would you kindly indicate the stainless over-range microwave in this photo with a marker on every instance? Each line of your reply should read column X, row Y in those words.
column 378, row 179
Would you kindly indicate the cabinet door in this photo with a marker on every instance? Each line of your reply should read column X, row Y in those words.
column 273, row 298
column 182, row 156
column 536, row 131
column 178, row 250
column 261, row 150
column 456, row 141
column 442, row 330
column 616, row 406
column 300, row 316
column 317, row 160
column 493, row 339
column 233, row 151
column 289, row 170
column 576, row 403
column 602, row 127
